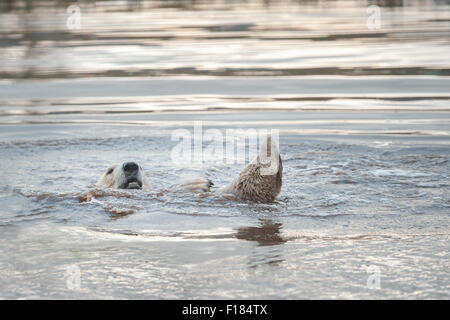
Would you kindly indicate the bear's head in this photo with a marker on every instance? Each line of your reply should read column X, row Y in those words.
column 128, row 175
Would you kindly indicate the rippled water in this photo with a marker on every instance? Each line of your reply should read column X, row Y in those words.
column 363, row 117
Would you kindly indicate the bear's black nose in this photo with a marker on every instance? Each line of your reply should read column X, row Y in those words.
column 130, row 167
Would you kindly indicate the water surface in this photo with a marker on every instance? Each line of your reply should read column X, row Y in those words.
column 363, row 116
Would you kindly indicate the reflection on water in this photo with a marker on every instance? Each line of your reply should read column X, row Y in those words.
column 136, row 5
column 195, row 38
column 268, row 233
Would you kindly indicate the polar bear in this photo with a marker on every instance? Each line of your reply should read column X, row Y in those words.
column 259, row 181
column 130, row 175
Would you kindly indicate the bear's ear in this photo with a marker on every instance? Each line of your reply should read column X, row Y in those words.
column 110, row 169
